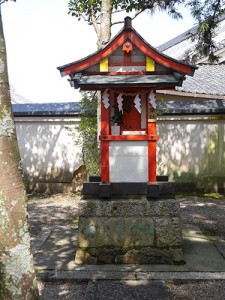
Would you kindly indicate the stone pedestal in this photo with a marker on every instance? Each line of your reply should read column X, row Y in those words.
column 129, row 231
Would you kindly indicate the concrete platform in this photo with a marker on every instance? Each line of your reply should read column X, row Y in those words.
column 54, row 253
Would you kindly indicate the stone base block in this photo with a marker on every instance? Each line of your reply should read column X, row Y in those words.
column 128, row 231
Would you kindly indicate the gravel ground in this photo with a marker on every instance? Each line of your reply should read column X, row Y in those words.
column 62, row 290
column 196, row 289
column 48, row 211
column 205, row 213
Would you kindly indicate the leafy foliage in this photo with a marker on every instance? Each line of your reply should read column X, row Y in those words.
column 87, row 130
column 161, row 107
column 87, row 8
column 80, row 8
column 207, row 14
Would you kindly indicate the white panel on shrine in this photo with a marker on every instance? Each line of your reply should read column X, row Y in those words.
column 128, row 161
column 127, row 69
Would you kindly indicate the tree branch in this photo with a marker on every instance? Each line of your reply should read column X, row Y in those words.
column 3, row 1
column 134, row 15
column 94, row 21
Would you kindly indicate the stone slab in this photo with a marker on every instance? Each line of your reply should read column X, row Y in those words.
column 58, row 249
column 220, row 245
column 57, row 275
column 203, row 261
column 202, row 255
column 38, row 240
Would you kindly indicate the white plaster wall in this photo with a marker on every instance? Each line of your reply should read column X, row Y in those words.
column 47, row 151
column 128, row 161
column 191, row 148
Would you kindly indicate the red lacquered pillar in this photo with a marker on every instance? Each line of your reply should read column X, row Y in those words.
column 151, row 131
column 152, row 152
column 104, row 144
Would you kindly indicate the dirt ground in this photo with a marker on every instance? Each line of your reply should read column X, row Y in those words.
column 46, row 211
column 206, row 213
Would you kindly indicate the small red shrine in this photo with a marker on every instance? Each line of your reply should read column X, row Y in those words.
column 127, row 71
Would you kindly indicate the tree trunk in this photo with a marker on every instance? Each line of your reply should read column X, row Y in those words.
column 105, row 22
column 17, row 275
column 104, row 37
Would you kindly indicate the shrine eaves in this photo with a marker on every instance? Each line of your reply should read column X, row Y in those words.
column 126, row 61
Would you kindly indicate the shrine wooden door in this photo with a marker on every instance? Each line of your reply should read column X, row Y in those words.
column 131, row 116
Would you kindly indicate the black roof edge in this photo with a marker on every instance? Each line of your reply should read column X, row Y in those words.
column 46, row 109
column 44, row 113
column 173, row 112
column 178, row 39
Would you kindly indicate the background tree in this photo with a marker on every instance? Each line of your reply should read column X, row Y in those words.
column 100, row 13
column 207, row 14
column 17, row 275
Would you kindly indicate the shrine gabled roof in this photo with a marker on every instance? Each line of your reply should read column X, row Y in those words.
column 127, row 33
